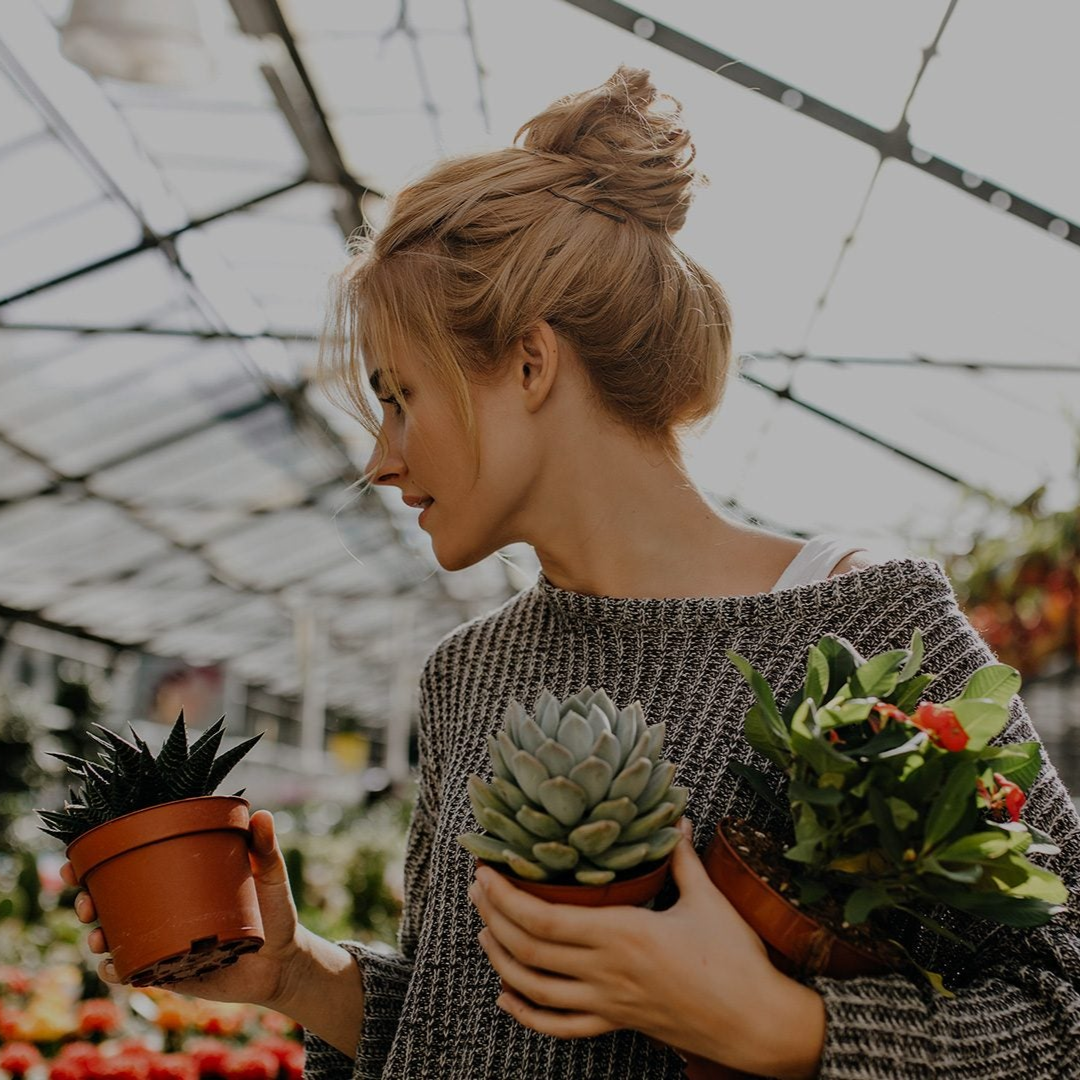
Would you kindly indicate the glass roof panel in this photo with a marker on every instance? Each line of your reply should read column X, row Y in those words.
column 860, row 57
column 982, row 105
column 255, row 462
column 20, row 475
column 127, row 293
column 939, row 273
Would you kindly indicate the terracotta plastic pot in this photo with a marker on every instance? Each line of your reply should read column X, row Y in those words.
column 173, row 889
column 634, row 890
column 796, row 943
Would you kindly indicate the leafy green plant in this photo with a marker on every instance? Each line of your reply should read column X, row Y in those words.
column 128, row 777
column 579, row 792
column 898, row 802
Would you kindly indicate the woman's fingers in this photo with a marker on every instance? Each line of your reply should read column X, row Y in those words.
column 67, row 874
column 96, row 941
column 84, row 908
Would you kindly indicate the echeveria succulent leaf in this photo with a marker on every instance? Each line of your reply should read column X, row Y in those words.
column 641, row 747
column 656, row 741
column 601, row 699
column 607, row 749
column 497, row 763
column 662, row 842
column 512, row 718
column 678, row 796
column 547, row 713
column 555, row 758
column 622, row 810
column 556, row 856
column 507, row 748
column 539, row 823
column 529, row 773
column 482, row 795
column 643, row 827
column 632, row 780
column 657, row 787
column 594, row 837
column 626, row 731
column 531, row 735
column 621, row 856
column 506, row 827
column 484, row 847
column 576, row 735
column 563, row 799
column 593, row 776
column 526, row 868
column 509, row 792
column 598, row 721
column 593, row 876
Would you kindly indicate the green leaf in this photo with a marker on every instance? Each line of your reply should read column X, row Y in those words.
column 981, row 719
column 820, row 754
column 883, row 819
column 819, row 796
column 221, row 768
column 976, row 847
column 998, row 682
column 915, row 657
column 947, row 810
column 760, row 784
column 863, row 901
column 878, row 676
column 968, row 874
column 761, row 735
column 1018, row 762
column 817, row 675
column 903, row 813
column 1003, row 908
column 908, row 694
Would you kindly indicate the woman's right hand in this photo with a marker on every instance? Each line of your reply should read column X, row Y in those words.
column 261, row 977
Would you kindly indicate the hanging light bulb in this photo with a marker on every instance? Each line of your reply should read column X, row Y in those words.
column 147, row 41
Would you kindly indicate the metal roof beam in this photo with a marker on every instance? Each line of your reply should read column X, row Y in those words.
column 895, row 144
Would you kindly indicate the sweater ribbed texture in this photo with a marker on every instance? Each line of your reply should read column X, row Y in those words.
column 430, row 1010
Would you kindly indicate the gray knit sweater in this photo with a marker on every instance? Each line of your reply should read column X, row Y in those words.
column 430, row 1012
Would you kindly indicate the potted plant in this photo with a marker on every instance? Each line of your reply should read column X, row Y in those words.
column 581, row 807
column 164, row 859
column 896, row 803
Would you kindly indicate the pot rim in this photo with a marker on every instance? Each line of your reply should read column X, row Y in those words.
column 803, row 918
column 657, row 870
column 97, row 836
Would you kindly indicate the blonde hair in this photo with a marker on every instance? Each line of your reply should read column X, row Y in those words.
column 574, row 227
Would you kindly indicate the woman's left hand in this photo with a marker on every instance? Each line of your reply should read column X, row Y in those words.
column 694, row 976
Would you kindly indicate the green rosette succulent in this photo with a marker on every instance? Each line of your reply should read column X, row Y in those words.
column 579, row 792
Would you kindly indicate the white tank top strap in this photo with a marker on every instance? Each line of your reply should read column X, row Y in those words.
column 815, row 560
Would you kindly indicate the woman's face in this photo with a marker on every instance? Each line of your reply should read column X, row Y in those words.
column 429, row 456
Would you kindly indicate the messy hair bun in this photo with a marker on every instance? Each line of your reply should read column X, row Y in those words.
column 574, row 227
column 640, row 153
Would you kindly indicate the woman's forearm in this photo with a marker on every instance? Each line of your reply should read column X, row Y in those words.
column 324, row 992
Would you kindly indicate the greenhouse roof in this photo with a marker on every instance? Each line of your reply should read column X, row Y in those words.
column 894, row 210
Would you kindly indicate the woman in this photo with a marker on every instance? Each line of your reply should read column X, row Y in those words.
column 538, row 342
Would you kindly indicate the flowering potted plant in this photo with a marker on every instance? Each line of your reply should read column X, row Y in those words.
column 164, row 859
column 896, row 803
column 581, row 807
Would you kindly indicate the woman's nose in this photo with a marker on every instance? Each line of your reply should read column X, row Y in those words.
column 384, row 466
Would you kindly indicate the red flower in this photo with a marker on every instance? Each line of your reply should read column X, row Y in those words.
column 66, row 1070
column 210, row 1056
column 99, row 1016
column 18, row 1057
column 252, row 1064
column 887, row 712
column 78, row 1054
column 14, row 979
column 1005, row 796
column 173, row 1067
column 941, row 725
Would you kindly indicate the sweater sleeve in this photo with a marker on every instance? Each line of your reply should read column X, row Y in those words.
column 386, row 973
column 1016, row 1009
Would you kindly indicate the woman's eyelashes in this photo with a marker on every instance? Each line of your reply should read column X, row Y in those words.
column 391, row 400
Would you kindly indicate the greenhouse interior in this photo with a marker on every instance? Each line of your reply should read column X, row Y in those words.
column 892, row 207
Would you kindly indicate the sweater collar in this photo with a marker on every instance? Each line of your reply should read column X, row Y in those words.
column 883, row 583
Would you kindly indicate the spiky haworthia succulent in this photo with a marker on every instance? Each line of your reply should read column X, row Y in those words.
column 579, row 791
column 128, row 777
